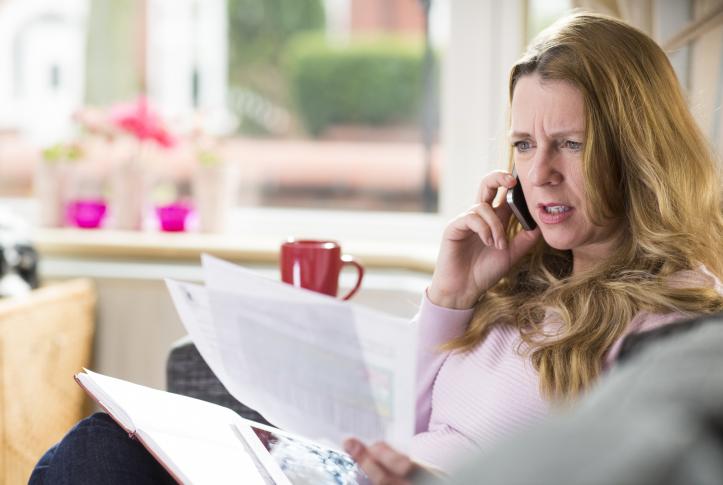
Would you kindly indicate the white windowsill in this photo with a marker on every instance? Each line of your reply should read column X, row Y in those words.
column 406, row 241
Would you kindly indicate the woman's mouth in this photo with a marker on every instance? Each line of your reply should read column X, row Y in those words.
column 554, row 213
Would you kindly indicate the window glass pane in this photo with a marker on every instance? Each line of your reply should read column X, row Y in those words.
column 335, row 101
column 543, row 13
column 317, row 103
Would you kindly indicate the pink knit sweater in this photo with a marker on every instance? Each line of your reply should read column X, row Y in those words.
column 468, row 401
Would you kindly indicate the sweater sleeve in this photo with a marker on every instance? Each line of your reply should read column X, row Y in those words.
column 436, row 326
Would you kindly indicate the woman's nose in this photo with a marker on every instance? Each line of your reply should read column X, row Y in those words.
column 543, row 169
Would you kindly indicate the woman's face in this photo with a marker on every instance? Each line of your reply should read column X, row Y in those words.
column 548, row 136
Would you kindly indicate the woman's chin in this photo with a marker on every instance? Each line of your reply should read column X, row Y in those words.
column 559, row 243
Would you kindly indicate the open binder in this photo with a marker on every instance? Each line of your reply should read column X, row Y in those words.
column 202, row 443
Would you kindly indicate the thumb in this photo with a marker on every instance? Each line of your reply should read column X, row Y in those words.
column 523, row 243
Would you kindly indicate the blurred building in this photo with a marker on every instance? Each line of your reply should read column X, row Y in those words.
column 398, row 16
column 187, row 57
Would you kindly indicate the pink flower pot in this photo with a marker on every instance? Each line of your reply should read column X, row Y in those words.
column 173, row 216
column 86, row 213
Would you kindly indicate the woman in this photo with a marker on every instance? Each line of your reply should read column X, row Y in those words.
column 626, row 196
column 625, row 193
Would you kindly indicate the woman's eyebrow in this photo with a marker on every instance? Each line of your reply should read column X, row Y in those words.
column 519, row 134
column 557, row 134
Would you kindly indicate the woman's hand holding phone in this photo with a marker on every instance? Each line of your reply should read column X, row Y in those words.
column 474, row 253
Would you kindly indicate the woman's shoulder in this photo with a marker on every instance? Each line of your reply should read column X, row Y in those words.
column 701, row 277
column 642, row 322
column 691, row 278
column 645, row 321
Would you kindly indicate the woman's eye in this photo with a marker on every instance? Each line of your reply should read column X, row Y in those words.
column 572, row 145
column 522, row 146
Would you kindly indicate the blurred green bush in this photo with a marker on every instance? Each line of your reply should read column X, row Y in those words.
column 373, row 81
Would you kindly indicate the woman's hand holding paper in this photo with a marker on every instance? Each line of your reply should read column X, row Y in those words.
column 383, row 464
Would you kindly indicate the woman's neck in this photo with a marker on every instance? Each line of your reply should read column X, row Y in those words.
column 585, row 257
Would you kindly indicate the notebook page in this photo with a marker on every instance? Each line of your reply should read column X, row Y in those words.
column 98, row 393
column 194, row 437
column 203, row 463
column 154, row 409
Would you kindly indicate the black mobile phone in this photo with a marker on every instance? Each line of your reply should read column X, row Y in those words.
column 516, row 201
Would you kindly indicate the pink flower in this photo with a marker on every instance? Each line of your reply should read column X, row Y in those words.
column 142, row 122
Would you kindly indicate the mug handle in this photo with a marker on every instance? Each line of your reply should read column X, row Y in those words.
column 348, row 260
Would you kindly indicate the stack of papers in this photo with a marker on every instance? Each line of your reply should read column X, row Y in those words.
column 312, row 365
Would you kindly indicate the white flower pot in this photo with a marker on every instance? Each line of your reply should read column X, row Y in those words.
column 214, row 188
column 127, row 189
column 49, row 185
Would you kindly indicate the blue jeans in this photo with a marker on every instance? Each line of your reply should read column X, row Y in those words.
column 95, row 451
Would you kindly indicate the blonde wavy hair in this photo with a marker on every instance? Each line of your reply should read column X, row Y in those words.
column 645, row 164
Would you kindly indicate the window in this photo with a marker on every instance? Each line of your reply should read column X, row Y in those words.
column 318, row 103
column 333, row 101
column 41, row 82
column 211, row 56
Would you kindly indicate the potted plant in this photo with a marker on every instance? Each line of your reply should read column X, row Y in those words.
column 144, row 127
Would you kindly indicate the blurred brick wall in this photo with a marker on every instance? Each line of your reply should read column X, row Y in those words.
column 399, row 16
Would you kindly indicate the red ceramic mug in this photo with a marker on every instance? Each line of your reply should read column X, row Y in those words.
column 315, row 265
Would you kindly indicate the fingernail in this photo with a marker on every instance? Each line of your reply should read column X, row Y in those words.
column 509, row 178
column 351, row 447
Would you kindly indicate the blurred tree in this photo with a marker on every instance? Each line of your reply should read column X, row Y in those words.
column 258, row 33
column 259, row 29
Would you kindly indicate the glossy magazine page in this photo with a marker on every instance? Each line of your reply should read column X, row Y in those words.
column 297, row 461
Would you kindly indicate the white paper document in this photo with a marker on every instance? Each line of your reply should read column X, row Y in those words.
column 310, row 364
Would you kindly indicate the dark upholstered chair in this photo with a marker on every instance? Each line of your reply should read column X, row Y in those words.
column 188, row 374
